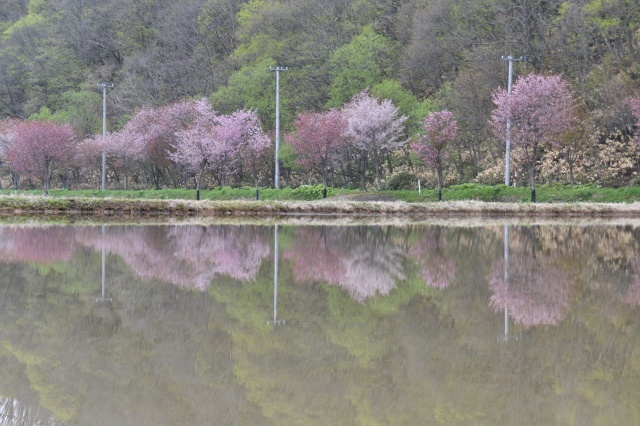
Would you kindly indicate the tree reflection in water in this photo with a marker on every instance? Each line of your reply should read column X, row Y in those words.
column 186, row 256
column 536, row 292
column 361, row 260
column 163, row 354
column 438, row 270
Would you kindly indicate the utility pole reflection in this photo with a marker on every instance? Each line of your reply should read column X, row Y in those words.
column 275, row 320
column 506, row 337
column 102, row 297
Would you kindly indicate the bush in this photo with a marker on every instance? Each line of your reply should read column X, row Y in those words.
column 307, row 192
column 401, row 181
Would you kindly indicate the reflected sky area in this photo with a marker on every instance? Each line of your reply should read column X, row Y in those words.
column 416, row 324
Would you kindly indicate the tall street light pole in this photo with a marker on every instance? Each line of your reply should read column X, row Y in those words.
column 104, row 131
column 507, row 171
column 277, row 173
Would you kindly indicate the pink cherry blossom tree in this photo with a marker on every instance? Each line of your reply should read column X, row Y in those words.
column 156, row 131
column 89, row 155
column 241, row 139
column 38, row 145
column 123, row 148
column 196, row 144
column 374, row 128
column 220, row 143
column 254, row 143
column 539, row 110
column 317, row 140
column 440, row 128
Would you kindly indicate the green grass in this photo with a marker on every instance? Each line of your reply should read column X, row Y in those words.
column 464, row 192
column 544, row 194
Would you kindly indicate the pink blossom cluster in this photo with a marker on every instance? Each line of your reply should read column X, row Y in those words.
column 440, row 128
column 318, row 139
column 32, row 147
column 189, row 133
column 538, row 109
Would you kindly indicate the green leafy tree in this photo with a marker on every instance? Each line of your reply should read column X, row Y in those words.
column 366, row 61
column 408, row 105
column 253, row 87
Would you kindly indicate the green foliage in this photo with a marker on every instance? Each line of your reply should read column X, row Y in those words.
column 43, row 114
column 307, row 192
column 359, row 65
column 287, row 156
column 402, row 180
column 82, row 110
column 406, row 102
column 254, row 87
column 250, row 87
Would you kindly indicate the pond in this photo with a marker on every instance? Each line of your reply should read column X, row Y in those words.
column 353, row 324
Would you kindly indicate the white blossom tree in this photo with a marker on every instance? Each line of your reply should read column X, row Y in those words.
column 375, row 128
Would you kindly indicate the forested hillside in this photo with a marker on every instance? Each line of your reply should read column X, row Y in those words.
column 423, row 55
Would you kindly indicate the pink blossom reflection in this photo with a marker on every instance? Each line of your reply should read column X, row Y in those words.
column 438, row 270
column 535, row 293
column 186, row 256
column 44, row 245
column 359, row 260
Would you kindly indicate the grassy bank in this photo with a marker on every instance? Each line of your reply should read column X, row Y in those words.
column 471, row 202
column 465, row 192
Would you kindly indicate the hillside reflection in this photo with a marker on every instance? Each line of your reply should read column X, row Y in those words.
column 384, row 325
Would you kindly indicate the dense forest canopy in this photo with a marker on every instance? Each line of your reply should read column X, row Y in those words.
column 423, row 55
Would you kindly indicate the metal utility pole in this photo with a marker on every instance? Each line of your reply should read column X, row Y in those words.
column 277, row 70
column 507, row 167
column 104, row 131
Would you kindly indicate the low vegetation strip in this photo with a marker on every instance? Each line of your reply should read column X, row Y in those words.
column 29, row 205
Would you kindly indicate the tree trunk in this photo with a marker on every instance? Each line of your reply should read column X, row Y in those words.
column 126, row 174
column 532, row 180
column 324, row 183
column 439, row 169
column 363, row 170
column 47, row 177
column 376, row 164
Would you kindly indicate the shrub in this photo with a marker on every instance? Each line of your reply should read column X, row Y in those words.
column 307, row 192
column 400, row 181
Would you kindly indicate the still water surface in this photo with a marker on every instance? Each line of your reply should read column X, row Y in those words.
column 320, row 325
